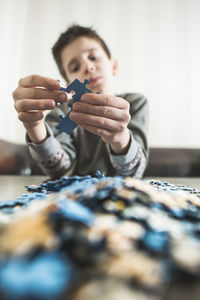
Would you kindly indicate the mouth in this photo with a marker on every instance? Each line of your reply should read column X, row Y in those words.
column 94, row 80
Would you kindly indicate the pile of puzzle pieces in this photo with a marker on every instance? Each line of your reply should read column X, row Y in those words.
column 78, row 237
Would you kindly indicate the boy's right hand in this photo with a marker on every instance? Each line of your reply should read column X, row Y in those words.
column 32, row 97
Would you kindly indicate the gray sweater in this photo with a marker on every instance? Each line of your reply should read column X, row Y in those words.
column 83, row 153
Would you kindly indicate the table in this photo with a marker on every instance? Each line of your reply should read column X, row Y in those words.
column 11, row 187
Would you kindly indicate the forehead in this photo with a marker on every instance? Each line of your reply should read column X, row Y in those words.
column 78, row 47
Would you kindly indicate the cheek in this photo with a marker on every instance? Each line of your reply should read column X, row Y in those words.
column 108, row 69
column 67, row 75
column 71, row 77
column 109, row 73
column 105, row 69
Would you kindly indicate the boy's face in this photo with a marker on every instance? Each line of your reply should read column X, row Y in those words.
column 84, row 58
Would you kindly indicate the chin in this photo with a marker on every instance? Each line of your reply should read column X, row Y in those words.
column 97, row 89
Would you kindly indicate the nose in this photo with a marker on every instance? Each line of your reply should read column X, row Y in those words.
column 89, row 67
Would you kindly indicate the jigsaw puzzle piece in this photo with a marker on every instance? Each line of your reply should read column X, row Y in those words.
column 66, row 125
column 79, row 88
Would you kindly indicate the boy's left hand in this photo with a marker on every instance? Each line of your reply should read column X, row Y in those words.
column 106, row 116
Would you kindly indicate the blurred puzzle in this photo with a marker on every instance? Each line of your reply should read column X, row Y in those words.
column 78, row 237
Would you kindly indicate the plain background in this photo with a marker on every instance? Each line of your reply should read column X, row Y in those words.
column 157, row 44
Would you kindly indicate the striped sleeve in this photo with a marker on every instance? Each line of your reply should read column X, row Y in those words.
column 133, row 163
column 50, row 156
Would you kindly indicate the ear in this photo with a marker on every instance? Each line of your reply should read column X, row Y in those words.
column 114, row 66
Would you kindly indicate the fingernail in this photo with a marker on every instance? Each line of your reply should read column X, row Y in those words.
column 84, row 97
column 63, row 97
column 76, row 106
column 55, row 84
column 71, row 115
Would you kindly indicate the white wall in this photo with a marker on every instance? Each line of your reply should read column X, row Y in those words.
column 157, row 44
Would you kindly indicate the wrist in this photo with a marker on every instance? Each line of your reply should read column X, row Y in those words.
column 121, row 147
column 37, row 133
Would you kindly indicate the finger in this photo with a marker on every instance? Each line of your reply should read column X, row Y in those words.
column 29, row 104
column 29, row 117
column 107, row 100
column 97, row 121
column 103, row 111
column 107, row 134
column 37, row 80
column 39, row 93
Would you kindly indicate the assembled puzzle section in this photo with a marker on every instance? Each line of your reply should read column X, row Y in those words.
column 66, row 125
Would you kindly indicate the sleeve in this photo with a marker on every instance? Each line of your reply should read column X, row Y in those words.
column 56, row 156
column 135, row 160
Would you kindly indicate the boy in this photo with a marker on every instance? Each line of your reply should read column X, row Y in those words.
column 111, row 131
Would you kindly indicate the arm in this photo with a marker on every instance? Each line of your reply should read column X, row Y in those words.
column 32, row 97
column 135, row 160
column 57, row 155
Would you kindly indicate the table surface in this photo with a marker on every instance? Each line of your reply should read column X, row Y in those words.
column 11, row 187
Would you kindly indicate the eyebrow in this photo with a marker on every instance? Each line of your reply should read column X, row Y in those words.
column 73, row 60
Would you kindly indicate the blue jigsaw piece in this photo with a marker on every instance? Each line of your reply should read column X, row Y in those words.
column 66, row 124
column 79, row 88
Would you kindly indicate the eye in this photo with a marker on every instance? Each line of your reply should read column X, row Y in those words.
column 93, row 57
column 75, row 69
